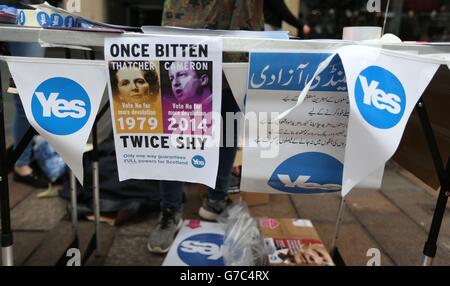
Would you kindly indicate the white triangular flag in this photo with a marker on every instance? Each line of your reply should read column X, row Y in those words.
column 384, row 88
column 61, row 99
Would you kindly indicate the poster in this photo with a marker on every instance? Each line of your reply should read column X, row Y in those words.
column 198, row 243
column 61, row 99
column 165, row 93
column 304, row 151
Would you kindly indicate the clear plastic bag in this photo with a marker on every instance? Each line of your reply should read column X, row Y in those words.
column 233, row 212
column 243, row 243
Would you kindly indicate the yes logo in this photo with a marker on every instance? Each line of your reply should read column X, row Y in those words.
column 43, row 19
column 198, row 161
column 21, row 18
column 202, row 250
column 60, row 106
column 309, row 172
column 380, row 97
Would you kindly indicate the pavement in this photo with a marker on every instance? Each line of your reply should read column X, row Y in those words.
column 395, row 220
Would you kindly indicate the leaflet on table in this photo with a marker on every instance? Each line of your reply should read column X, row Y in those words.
column 164, row 93
column 47, row 16
column 304, row 151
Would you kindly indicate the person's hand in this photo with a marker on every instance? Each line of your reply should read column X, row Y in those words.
column 236, row 171
column 316, row 254
column 306, row 29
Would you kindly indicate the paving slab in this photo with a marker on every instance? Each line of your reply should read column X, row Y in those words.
column 54, row 245
column 353, row 243
column 18, row 192
column 107, row 235
column 130, row 251
column 38, row 214
column 364, row 200
column 279, row 206
column 139, row 226
column 413, row 200
column 398, row 236
column 25, row 243
column 319, row 207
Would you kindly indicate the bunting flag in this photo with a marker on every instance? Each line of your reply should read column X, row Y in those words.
column 383, row 87
column 61, row 99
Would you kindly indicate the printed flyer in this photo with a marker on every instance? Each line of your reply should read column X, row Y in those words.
column 164, row 93
column 304, row 151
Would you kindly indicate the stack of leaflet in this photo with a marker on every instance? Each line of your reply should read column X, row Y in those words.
column 7, row 14
column 49, row 17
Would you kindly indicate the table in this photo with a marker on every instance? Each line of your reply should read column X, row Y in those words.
column 95, row 40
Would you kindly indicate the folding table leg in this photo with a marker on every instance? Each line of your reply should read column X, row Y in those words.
column 73, row 201
column 443, row 173
column 6, row 234
column 96, row 189
column 95, row 179
column 339, row 218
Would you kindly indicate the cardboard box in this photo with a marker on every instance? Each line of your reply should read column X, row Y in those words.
column 198, row 243
column 293, row 242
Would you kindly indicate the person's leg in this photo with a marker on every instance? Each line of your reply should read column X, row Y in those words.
column 226, row 160
column 22, row 170
column 171, row 195
column 170, row 221
column 217, row 199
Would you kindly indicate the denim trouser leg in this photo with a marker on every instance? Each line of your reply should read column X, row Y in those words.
column 226, row 160
column 20, row 127
column 172, row 191
column 51, row 164
column 226, row 154
column 171, row 194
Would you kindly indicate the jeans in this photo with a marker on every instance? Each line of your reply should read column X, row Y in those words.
column 172, row 191
column 48, row 159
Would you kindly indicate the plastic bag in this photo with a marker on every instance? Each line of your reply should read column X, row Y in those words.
column 243, row 243
column 233, row 212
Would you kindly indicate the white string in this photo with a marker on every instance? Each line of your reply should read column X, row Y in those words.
column 385, row 16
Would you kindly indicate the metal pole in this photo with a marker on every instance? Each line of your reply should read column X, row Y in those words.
column 430, row 247
column 73, row 200
column 6, row 235
column 7, row 256
column 96, row 183
column 427, row 261
column 339, row 218
column 96, row 189
column 73, row 187
column 385, row 17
